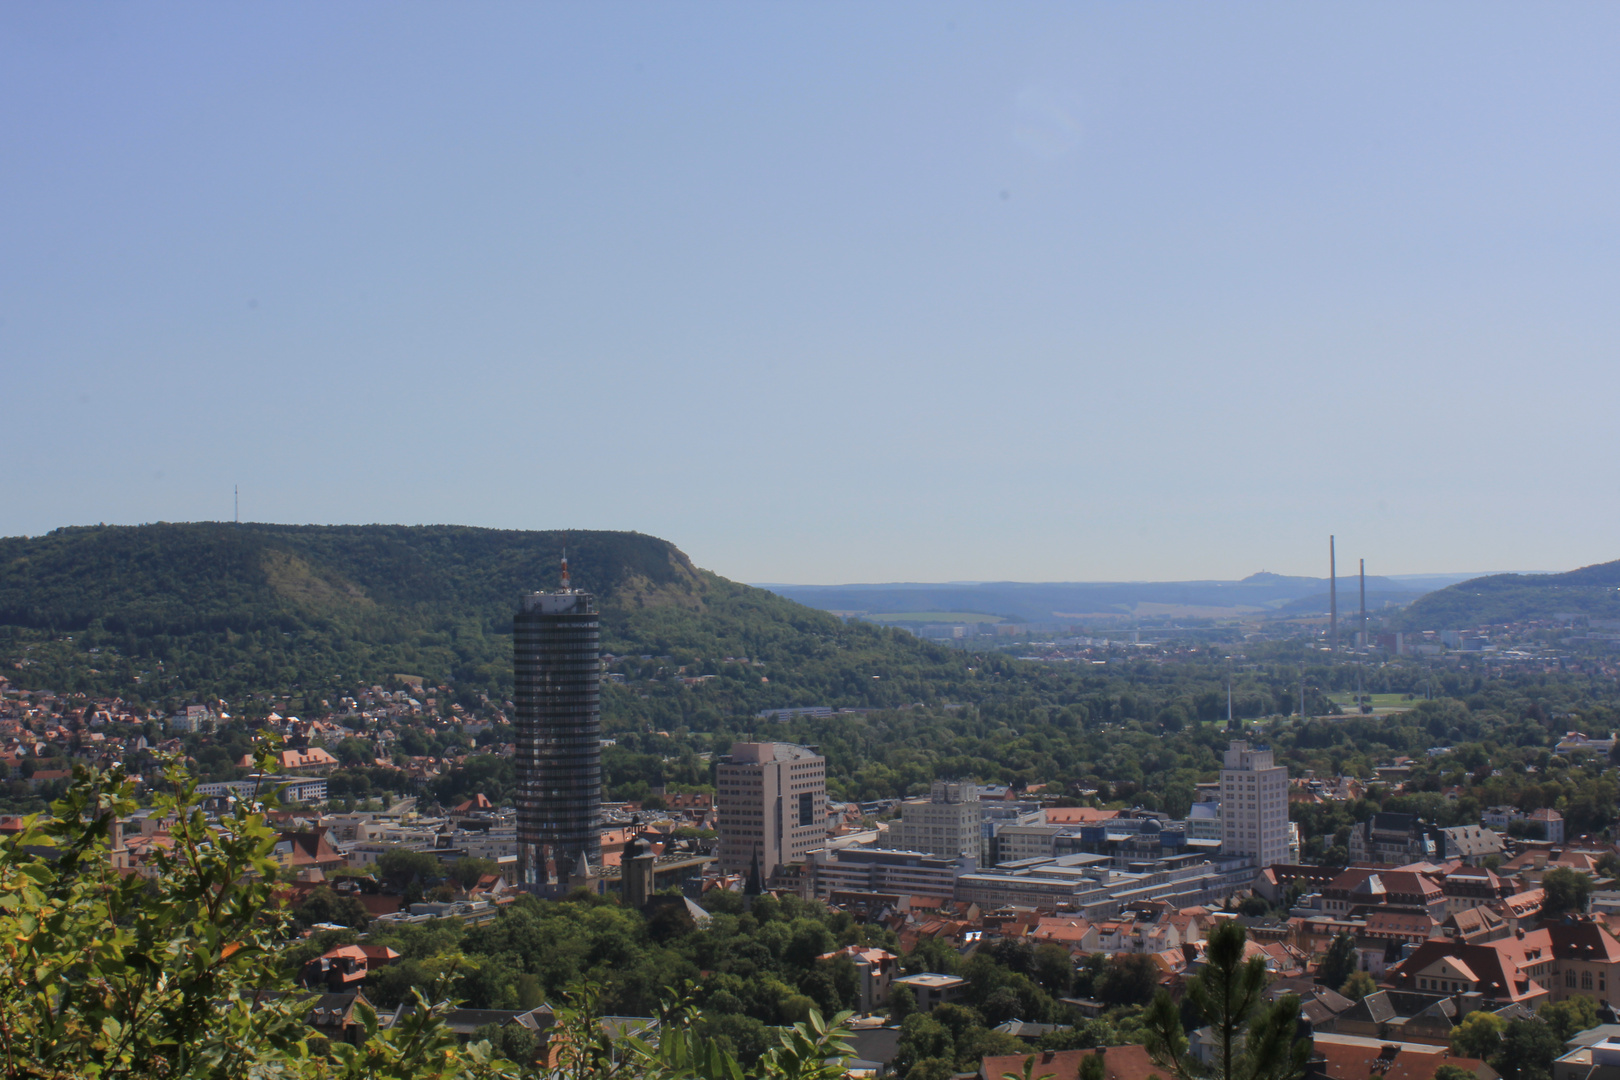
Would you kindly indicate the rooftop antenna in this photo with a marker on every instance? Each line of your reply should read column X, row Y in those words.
column 1333, row 596
column 565, row 586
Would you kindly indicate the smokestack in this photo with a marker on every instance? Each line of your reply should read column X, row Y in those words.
column 1364, row 603
column 1333, row 596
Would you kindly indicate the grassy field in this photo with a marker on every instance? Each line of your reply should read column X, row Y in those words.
column 1379, row 702
column 933, row 616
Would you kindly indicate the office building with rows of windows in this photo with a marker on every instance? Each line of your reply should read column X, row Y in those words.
column 771, row 800
column 1254, row 805
column 557, row 693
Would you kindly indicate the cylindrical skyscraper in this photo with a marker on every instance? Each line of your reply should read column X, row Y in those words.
column 557, row 671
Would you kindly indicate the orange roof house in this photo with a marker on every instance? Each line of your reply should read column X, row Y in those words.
column 1119, row 1063
column 306, row 848
column 1392, row 1061
column 478, row 804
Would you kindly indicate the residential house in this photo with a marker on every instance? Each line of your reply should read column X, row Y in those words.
column 1576, row 957
column 932, row 988
column 1395, row 839
column 1119, row 1063
column 1472, row 844
column 877, row 968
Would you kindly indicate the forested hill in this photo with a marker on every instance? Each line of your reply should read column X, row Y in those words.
column 178, row 611
column 1592, row 591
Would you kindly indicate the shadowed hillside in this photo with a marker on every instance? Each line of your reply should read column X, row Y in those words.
column 1593, row 591
column 176, row 611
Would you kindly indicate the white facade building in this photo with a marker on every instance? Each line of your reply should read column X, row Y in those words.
column 948, row 823
column 1204, row 821
column 1254, row 805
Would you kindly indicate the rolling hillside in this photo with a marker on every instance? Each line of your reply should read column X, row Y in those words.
column 169, row 612
column 1060, row 602
column 1593, row 591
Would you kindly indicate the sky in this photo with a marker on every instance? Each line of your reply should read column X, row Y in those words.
column 826, row 292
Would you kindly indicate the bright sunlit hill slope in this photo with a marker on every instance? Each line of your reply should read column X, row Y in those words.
column 167, row 612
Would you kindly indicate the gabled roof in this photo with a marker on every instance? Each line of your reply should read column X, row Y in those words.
column 1472, row 922
column 1407, row 883
column 1395, row 1061
column 1375, row 1008
column 1495, row 966
column 1583, row 940
column 1119, row 1063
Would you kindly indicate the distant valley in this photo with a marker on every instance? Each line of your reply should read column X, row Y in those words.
column 1265, row 594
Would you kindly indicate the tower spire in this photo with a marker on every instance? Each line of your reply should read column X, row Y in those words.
column 565, row 586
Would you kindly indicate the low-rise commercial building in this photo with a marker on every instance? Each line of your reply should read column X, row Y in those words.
column 881, row 870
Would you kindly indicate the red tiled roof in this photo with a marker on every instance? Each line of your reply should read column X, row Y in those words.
column 1497, row 966
column 1119, row 1063
column 1359, row 1062
column 1077, row 815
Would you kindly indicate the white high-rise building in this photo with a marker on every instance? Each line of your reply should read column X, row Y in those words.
column 947, row 823
column 1254, row 805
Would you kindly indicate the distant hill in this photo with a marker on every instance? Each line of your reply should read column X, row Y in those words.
column 1591, row 591
column 169, row 612
column 1041, row 602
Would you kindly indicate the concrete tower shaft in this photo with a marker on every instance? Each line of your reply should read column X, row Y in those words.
column 557, row 692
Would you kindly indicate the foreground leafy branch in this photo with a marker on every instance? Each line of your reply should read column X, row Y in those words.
column 178, row 973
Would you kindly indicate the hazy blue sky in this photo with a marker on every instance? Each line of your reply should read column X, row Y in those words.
column 826, row 292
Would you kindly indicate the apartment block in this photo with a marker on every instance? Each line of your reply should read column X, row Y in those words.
column 948, row 823
column 1254, row 805
column 772, row 805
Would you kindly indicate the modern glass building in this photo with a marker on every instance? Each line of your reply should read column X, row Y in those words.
column 557, row 670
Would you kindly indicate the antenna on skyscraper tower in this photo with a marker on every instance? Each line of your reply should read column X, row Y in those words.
column 565, row 585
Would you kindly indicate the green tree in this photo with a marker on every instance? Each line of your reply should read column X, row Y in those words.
column 1253, row 1041
column 932, row 954
column 902, row 1003
column 1478, row 1036
column 1528, row 1050
column 136, row 977
column 325, row 906
column 400, row 868
column 1339, row 962
column 1129, row 979
column 466, row 871
column 1053, row 968
column 924, row 1038
column 1569, row 1016
column 1453, row 1072
column 1567, row 890
column 1358, row 986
